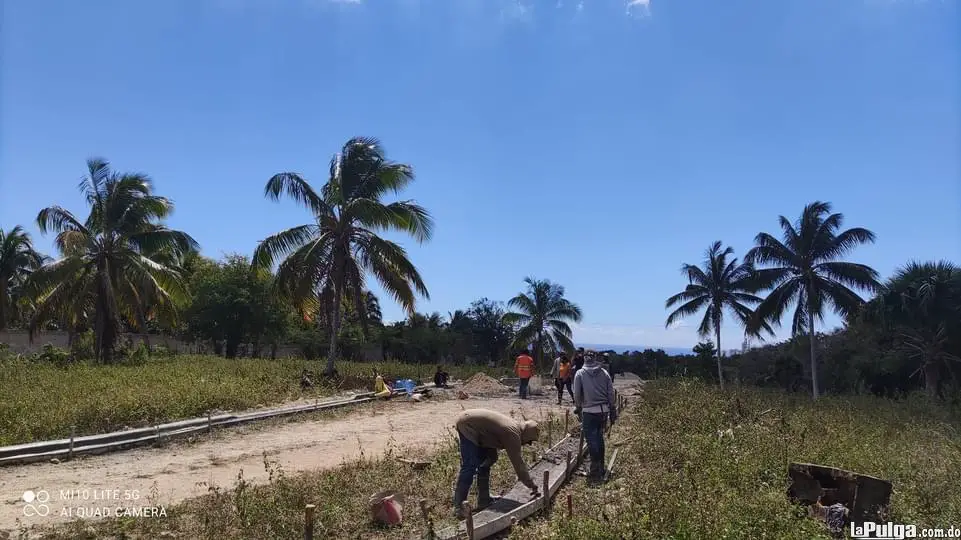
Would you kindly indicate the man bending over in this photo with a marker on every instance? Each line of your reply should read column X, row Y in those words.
column 482, row 433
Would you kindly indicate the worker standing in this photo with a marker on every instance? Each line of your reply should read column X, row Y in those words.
column 561, row 373
column 482, row 433
column 594, row 398
column 524, row 368
column 578, row 362
column 440, row 378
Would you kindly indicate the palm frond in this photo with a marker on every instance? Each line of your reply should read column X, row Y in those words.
column 294, row 186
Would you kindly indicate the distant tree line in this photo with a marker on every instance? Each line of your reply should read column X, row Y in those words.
column 907, row 336
column 121, row 269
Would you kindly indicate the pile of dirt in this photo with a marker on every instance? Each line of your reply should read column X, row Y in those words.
column 482, row 385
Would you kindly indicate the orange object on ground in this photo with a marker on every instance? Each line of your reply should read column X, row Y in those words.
column 386, row 507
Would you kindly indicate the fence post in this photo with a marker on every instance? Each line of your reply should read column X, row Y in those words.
column 547, row 492
column 309, row 522
column 209, row 423
column 426, row 515
column 570, row 506
column 567, row 421
column 73, row 433
column 550, row 425
column 468, row 520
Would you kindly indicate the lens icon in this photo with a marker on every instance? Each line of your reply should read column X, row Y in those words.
column 29, row 496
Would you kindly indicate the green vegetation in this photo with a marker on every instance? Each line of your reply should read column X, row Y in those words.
column 120, row 263
column 805, row 270
column 41, row 400
column 720, row 285
column 680, row 474
column 327, row 259
column 18, row 260
column 540, row 316
column 912, row 326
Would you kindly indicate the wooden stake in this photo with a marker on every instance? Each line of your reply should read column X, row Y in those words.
column 550, row 438
column 580, row 445
column 426, row 515
column 567, row 421
column 468, row 520
column 73, row 432
column 547, row 492
column 570, row 506
column 567, row 466
column 309, row 522
column 610, row 465
column 209, row 423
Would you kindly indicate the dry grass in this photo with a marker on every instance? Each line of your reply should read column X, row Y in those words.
column 675, row 478
column 274, row 510
column 41, row 401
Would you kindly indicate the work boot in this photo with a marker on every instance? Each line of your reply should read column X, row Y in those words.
column 460, row 495
column 484, row 498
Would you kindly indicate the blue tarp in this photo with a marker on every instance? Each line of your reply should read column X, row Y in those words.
column 407, row 384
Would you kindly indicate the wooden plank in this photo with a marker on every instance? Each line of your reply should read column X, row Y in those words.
column 865, row 496
column 517, row 504
column 121, row 440
column 610, row 465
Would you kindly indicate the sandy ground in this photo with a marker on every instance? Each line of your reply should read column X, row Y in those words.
column 181, row 471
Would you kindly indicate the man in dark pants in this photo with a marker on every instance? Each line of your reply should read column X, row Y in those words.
column 482, row 433
column 524, row 368
column 562, row 376
column 594, row 397
column 578, row 362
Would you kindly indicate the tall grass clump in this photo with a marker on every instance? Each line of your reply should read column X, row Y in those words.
column 698, row 463
column 41, row 400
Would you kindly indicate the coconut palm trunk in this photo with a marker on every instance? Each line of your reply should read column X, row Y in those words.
column 3, row 304
column 720, row 370
column 815, row 389
column 334, row 329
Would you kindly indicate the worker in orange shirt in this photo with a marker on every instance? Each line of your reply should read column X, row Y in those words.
column 524, row 368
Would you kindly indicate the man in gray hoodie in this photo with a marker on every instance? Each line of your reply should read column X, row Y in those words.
column 594, row 397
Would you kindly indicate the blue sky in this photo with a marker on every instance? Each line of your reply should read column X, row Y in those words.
column 597, row 143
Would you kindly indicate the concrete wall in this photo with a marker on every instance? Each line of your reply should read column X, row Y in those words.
column 18, row 341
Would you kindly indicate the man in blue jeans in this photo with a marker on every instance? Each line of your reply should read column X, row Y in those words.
column 594, row 398
column 482, row 433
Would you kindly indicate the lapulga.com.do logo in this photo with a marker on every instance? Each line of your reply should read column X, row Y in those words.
column 898, row 531
column 36, row 503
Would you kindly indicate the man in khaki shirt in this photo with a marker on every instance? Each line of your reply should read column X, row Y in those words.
column 482, row 433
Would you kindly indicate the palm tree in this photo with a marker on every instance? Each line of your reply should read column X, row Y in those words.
column 18, row 259
column 721, row 284
column 109, row 264
column 372, row 307
column 805, row 270
column 541, row 316
column 326, row 261
column 921, row 303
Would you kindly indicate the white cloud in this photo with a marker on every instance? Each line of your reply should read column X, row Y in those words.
column 518, row 10
column 639, row 7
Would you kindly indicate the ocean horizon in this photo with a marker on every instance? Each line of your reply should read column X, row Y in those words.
column 673, row 351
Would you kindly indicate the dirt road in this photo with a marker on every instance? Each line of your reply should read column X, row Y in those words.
column 181, row 471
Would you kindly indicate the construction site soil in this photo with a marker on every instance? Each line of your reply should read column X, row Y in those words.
column 484, row 385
